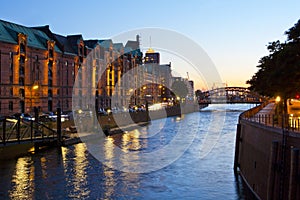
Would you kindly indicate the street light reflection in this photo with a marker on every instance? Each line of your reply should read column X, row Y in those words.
column 23, row 179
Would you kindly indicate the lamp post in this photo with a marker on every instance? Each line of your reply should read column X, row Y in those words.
column 281, row 111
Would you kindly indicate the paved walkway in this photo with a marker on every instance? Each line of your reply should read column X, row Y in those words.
column 267, row 110
column 266, row 115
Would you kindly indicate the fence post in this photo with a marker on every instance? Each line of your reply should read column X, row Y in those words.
column 267, row 116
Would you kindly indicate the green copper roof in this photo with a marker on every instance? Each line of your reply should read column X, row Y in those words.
column 35, row 38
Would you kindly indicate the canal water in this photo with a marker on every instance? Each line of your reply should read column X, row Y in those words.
column 203, row 170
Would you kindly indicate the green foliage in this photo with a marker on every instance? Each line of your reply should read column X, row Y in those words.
column 279, row 72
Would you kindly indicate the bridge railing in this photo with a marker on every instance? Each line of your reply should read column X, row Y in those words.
column 17, row 130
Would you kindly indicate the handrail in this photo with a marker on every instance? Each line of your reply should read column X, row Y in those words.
column 20, row 131
column 271, row 120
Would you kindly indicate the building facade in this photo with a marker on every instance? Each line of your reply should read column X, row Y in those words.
column 38, row 69
column 35, row 72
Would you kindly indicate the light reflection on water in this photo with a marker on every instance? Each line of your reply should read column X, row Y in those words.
column 72, row 173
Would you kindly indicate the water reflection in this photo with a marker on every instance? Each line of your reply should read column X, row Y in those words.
column 109, row 173
column 72, row 173
column 22, row 185
column 80, row 175
column 131, row 141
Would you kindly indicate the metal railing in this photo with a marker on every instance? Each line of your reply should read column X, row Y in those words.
column 286, row 121
column 19, row 131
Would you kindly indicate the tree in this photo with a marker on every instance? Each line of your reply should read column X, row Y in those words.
column 279, row 72
column 293, row 34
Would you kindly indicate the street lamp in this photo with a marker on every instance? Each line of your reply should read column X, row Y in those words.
column 35, row 86
column 278, row 99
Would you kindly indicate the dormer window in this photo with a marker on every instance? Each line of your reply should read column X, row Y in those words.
column 22, row 39
column 51, row 45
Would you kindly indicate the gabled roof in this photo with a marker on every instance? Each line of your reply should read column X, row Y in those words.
column 106, row 43
column 118, row 46
column 91, row 43
column 65, row 44
column 74, row 40
column 35, row 38
column 132, row 44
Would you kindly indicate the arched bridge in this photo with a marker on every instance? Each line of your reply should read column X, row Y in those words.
column 229, row 95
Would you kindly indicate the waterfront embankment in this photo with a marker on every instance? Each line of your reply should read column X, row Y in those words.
column 267, row 153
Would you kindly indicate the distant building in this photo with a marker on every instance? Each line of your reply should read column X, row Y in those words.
column 157, row 79
column 152, row 57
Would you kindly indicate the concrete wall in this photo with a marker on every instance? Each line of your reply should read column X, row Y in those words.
column 263, row 162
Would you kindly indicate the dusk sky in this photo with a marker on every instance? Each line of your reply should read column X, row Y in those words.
column 233, row 33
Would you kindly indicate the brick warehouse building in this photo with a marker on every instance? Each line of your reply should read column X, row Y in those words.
column 38, row 69
column 30, row 65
